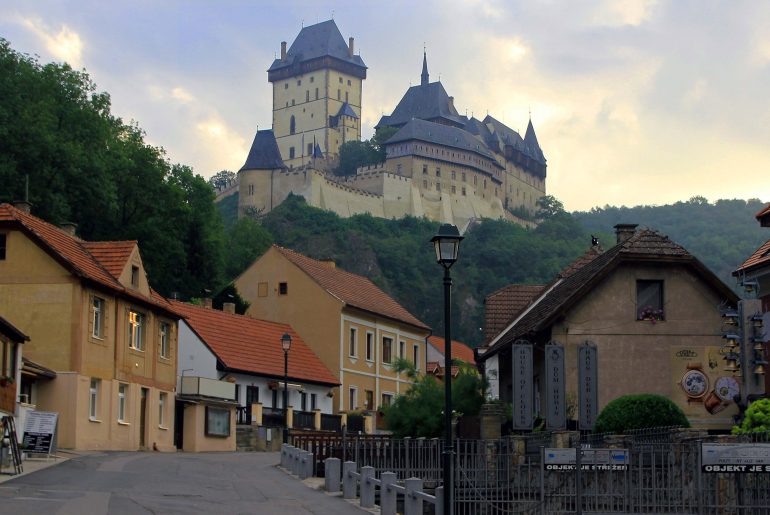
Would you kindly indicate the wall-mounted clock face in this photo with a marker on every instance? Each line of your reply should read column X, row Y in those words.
column 727, row 388
column 695, row 383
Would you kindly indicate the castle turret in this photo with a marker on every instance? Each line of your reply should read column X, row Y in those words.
column 424, row 78
column 255, row 188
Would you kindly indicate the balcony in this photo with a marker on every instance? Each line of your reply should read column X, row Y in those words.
column 205, row 387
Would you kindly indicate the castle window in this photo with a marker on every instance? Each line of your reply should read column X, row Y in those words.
column 299, row 82
column 454, row 175
column 425, row 169
column 292, row 124
column 292, row 101
column 312, row 79
column 286, row 86
column 438, row 172
column 339, row 94
column 348, row 82
column 307, row 96
column 475, row 180
column 287, row 103
column 346, row 96
column 463, row 191
column 291, row 152
column 316, row 93
column 251, row 189
column 425, row 184
column 463, row 176
column 340, row 80
column 454, row 190
column 398, row 169
column 485, row 184
column 438, row 186
column 310, row 149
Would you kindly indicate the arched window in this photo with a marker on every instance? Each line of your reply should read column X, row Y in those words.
column 292, row 125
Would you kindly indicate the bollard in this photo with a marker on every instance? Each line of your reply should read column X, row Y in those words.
column 388, row 495
column 303, row 465
column 367, row 487
column 332, row 475
column 439, row 501
column 283, row 455
column 348, row 481
column 295, row 461
column 412, row 503
column 309, row 463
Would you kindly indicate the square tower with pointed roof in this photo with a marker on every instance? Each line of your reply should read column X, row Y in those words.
column 317, row 87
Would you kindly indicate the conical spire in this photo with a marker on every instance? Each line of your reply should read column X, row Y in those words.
column 424, row 77
column 529, row 136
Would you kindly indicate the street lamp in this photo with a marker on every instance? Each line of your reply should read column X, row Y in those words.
column 285, row 345
column 447, row 245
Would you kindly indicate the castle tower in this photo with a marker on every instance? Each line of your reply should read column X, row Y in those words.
column 255, row 178
column 317, row 87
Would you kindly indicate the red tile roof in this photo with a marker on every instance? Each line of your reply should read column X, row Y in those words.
column 761, row 257
column 501, row 306
column 74, row 253
column 112, row 255
column 249, row 345
column 354, row 290
column 459, row 350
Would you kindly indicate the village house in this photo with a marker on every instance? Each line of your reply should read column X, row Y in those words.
column 94, row 323
column 11, row 340
column 651, row 309
column 355, row 328
column 435, row 359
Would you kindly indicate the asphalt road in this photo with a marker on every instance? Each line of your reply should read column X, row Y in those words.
column 159, row 483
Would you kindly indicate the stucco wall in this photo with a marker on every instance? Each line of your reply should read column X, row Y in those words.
column 195, row 439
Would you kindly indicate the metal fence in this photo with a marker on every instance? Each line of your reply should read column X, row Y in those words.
column 331, row 422
column 663, row 474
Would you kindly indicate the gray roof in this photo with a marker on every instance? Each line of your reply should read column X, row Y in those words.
column 532, row 146
column 441, row 134
column 315, row 41
column 507, row 136
column 346, row 110
column 264, row 153
column 427, row 102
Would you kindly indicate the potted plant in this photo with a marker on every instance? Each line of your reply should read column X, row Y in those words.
column 650, row 313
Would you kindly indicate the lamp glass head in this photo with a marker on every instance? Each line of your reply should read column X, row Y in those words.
column 286, row 342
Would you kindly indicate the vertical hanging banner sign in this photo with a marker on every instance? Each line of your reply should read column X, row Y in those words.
column 555, row 395
column 523, row 405
column 588, row 388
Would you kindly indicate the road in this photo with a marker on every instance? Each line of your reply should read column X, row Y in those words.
column 158, row 483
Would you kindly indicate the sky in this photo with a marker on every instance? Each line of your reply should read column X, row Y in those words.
column 643, row 102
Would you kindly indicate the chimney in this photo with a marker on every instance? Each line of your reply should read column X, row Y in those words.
column 22, row 205
column 207, row 303
column 351, row 47
column 329, row 262
column 69, row 227
column 283, row 50
column 451, row 103
column 228, row 307
column 624, row 231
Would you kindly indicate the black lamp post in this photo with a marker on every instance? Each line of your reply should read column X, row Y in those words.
column 285, row 345
column 447, row 244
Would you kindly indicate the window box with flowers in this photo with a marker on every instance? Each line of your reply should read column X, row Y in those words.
column 651, row 314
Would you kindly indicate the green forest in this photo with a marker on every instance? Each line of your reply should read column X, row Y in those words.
column 61, row 145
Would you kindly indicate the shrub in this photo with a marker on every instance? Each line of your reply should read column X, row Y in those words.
column 757, row 418
column 638, row 412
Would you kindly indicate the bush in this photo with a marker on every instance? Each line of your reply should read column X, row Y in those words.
column 638, row 412
column 757, row 418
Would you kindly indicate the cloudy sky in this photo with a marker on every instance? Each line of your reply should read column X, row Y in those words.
column 634, row 102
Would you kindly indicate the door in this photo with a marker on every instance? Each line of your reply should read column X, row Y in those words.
column 179, row 425
column 143, row 419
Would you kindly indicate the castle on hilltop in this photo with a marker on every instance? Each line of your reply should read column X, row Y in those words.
column 439, row 164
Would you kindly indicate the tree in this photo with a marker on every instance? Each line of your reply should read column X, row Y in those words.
column 756, row 419
column 639, row 411
column 222, row 179
column 355, row 154
column 549, row 206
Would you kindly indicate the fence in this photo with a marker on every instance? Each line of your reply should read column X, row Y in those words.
column 331, row 422
column 663, row 473
column 272, row 417
column 304, row 420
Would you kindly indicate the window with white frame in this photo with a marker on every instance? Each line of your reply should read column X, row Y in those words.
column 353, row 351
column 313, row 401
column 122, row 389
column 93, row 399
column 387, row 350
column 401, row 349
column 97, row 317
column 165, row 335
column 352, row 401
column 416, row 355
column 135, row 330
column 162, row 400
column 369, row 347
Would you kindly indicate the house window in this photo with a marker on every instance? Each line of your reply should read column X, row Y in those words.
column 217, row 422
column 353, row 343
column 252, row 395
column 97, row 320
column 283, row 288
column 313, row 402
column 303, row 401
column 401, row 349
column 122, row 388
column 369, row 402
column 134, row 276
column 93, row 399
column 165, row 330
column 387, row 399
column 291, row 152
column 162, row 409
column 649, row 300
column 2, row 246
column 310, row 149
column 369, row 347
column 292, row 124
column 416, row 355
column 135, row 330
column 8, row 364
column 352, row 401
column 387, row 350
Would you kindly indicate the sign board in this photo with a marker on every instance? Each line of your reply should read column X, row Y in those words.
column 735, row 457
column 555, row 401
column 39, row 431
column 523, row 407
column 590, row 459
column 588, row 385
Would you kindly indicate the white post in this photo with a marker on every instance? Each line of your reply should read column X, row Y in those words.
column 332, row 474
column 413, row 503
column 348, row 481
column 367, row 487
column 388, row 495
column 439, row 501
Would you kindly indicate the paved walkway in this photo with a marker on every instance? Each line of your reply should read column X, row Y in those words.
column 159, row 483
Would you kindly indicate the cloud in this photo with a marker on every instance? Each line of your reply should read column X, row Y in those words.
column 624, row 12
column 65, row 44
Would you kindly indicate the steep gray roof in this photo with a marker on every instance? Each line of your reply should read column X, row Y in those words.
column 441, row 134
column 315, row 41
column 531, row 144
column 264, row 153
column 427, row 102
column 346, row 110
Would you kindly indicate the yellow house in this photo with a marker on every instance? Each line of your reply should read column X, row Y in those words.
column 93, row 319
column 356, row 329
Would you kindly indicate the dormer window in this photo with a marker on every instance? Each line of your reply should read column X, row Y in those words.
column 134, row 276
